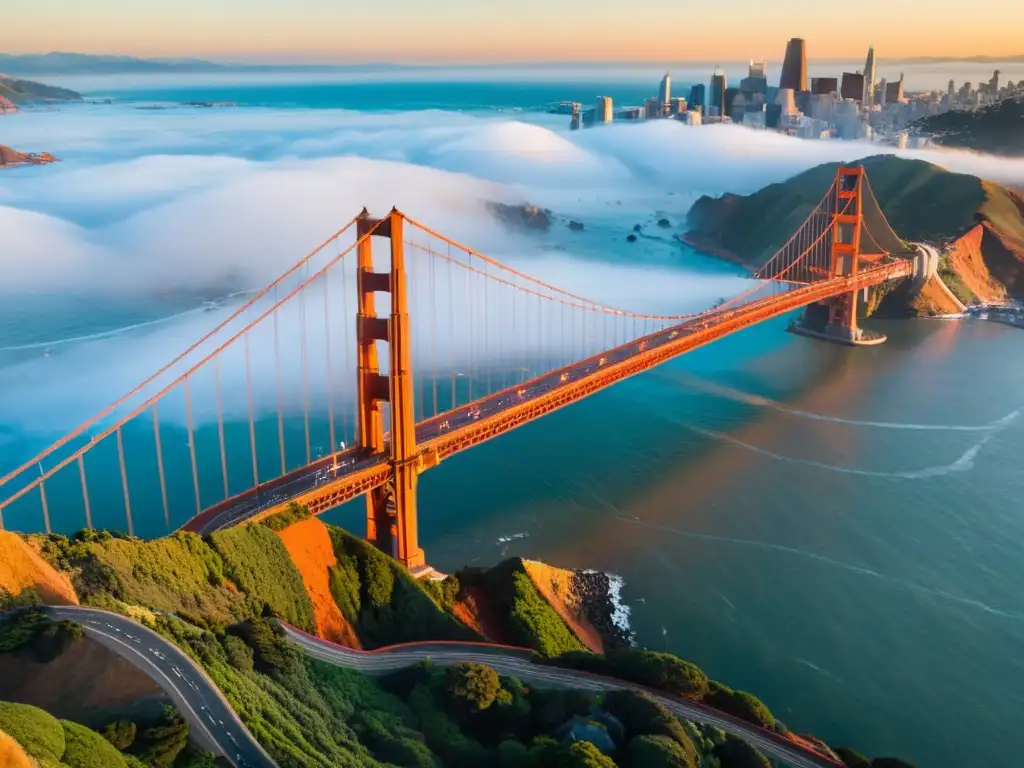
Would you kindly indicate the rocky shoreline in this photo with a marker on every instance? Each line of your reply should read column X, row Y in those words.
column 597, row 595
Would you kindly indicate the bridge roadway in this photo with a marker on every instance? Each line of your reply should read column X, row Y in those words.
column 216, row 727
column 335, row 479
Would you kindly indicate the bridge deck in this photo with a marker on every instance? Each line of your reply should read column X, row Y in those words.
column 335, row 479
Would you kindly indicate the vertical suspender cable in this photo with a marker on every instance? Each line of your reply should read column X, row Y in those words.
column 469, row 327
column 330, row 363
column 451, row 321
column 85, row 492
column 46, row 507
column 345, row 336
column 159, row 467
column 252, row 414
column 124, row 482
column 220, row 426
column 433, row 322
column 304, row 354
column 192, row 445
column 277, row 380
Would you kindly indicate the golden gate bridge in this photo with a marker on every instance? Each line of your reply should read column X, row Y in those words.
column 465, row 349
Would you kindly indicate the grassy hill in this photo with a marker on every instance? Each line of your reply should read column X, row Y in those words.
column 216, row 596
column 29, row 91
column 995, row 128
column 921, row 201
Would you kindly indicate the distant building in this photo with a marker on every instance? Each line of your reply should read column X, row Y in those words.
column 694, row 117
column 734, row 101
column 883, row 85
column 952, row 90
column 894, row 91
column 822, row 86
column 868, row 94
column 718, row 87
column 786, row 100
column 677, row 105
column 853, row 86
column 697, row 97
column 653, row 107
column 604, row 109
column 993, row 84
column 665, row 89
column 823, row 108
column 794, row 66
column 758, row 69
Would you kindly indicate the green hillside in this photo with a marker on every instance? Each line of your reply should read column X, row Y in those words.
column 29, row 91
column 920, row 200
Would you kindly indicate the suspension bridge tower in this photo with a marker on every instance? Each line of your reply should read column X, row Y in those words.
column 839, row 314
column 391, row 523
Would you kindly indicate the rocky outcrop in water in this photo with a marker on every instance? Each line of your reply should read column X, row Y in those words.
column 594, row 591
column 523, row 215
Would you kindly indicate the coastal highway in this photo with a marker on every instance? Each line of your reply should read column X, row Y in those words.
column 216, row 726
column 212, row 722
column 517, row 662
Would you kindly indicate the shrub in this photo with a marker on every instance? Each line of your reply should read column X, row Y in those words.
column 657, row 752
column 345, row 587
column 87, row 749
column 472, row 687
column 662, row 671
column 290, row 515
column 120, row 733
column 852, row 758
column 161, row 744
column 736, row 753
column 272, row 653
column 239, row 654
column 641, row 715
column 38, row 732
column 257, row 561
column 741, row 704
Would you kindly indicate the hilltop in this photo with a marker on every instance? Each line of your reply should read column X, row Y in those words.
column 979, row 225
column 32, row 92
column 217, row 598
column 995, row 128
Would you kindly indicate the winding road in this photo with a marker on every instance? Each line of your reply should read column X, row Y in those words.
column 212, row 721
column 217, row 728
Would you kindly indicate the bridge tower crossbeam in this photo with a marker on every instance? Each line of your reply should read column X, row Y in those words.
column 391, row 517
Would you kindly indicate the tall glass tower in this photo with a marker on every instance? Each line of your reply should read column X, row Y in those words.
column 794, row 66
column 869, row 79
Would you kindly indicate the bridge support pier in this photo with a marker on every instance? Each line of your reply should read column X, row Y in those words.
column 391, row 523
column 840, row 321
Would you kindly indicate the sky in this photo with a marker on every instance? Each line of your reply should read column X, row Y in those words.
column 466, row 31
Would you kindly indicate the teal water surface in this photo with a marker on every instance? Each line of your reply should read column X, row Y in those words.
column 836, row 530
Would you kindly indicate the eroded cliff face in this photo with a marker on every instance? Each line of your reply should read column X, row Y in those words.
column 967, row 256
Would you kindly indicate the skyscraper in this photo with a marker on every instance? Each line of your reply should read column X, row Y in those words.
column 853, row 86
column 665, row 90
column 697, row 96
column 717, row 101
column 868, row 97
column 894, row 91
column 993, row 84
column 604, row 109
column 757, row 69
column 794, row 66
column 952, row 90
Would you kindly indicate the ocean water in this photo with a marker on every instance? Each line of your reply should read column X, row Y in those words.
column 836, row 530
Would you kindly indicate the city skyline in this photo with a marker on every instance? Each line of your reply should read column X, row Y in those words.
column 458, row 31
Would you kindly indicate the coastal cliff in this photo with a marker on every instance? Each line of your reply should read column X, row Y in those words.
column 18, row 91
column 10, row 158
column 977, row 225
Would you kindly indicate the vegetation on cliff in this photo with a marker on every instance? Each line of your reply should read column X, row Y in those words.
column 216, row 597
column 29, row 91
column 54, row 743
column 921, row 202
column 995, row 128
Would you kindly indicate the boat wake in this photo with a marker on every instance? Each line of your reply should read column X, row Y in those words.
column 722, row 390
column 806, row 554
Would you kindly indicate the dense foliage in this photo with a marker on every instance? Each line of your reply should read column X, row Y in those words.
column 54, row 743
column 662, row 671
column 44, row 638
column 529, row 620
column 383, row 602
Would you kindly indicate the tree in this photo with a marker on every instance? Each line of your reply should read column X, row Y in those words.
column 641, row 715
column 120, row 733
column 583, row 754
column 658, row 752
column 736, row 753
column 743, row 705
column 472, row 687
column 852, row 758
column 161, row 744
